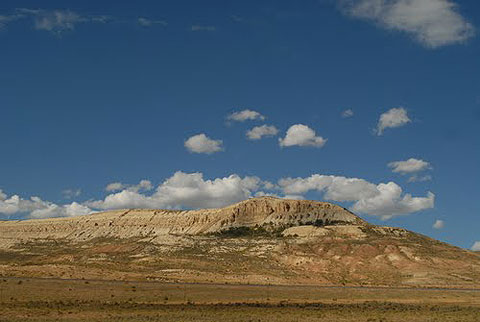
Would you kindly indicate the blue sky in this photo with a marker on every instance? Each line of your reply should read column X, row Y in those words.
column 98, row 93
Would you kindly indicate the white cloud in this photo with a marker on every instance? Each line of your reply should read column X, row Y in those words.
column 59, row 21
column 245, row 115
column 383, row 200
column 438, row 224
column 145, row 22
column 191, row 190
column 335, row 188
column 145, row 185
column 409, row 166
column 200, row 143
column 71, row 193
column 417, row 178
column 390, row 202
column 258, row 132
column 188, row 190
column 347, row 113
column 476, row 246
column 38, row 208
column 115, row 186
column 394, row 117
column 301, row 135
column 53, row 210
column 203, row 28
column 433, row 23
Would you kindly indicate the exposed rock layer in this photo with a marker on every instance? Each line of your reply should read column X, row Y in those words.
column 269, row 211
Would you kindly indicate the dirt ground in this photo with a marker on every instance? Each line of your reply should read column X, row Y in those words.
column 33, row 299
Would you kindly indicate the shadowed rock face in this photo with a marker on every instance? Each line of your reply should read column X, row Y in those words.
column 265, row 211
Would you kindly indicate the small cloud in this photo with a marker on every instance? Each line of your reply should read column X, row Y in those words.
column 59, row 21
column 417, row 178
column 439, row 224
column 200, row 143
column 145, row 22
column 432, row 23
column 301, row 135
column 245, row 115
column 143, row 185
column 394, row 117
column 114, row 186
column 203, row 28
column 476, row 246
column 71, row 193
column 347, row 113
column 258, row 132
column 409, row 166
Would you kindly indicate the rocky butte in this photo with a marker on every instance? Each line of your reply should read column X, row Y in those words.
column 260, row 240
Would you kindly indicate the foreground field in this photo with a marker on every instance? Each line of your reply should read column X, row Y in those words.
column 94, row 300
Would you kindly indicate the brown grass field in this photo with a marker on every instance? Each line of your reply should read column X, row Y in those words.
column 33, row 299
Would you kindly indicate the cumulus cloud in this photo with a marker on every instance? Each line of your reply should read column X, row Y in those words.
column 38, row 208
column 145, row 22
column 258, row 132
column 301, row 135
column 390, row 202
column 347, row 113
column 394, row 117
column 192, row 190
column 432, row 23
column 201, row 143
column 53, row 210
column 438, row 224
column 188, row 190
column 476, row 246
column 245, row 115
column 203, row 28
column 385, row 200
column 409, row 166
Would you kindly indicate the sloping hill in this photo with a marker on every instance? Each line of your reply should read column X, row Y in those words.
column 260, row 240
column 261, row 212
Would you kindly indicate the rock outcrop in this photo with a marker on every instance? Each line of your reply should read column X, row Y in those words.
column 260, row 212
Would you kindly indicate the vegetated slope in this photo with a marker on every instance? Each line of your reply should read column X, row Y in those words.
column 260, row 240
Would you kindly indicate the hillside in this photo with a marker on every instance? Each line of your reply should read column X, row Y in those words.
column 258, row 241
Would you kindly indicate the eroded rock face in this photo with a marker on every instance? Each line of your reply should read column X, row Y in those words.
column 269, row 211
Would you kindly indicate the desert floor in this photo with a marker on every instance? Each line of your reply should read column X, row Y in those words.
column 35, row 299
